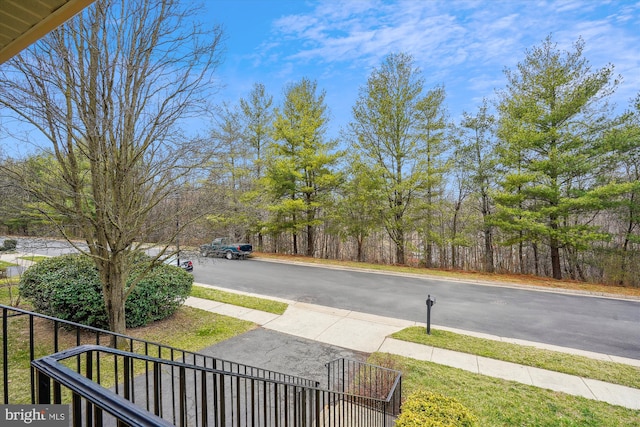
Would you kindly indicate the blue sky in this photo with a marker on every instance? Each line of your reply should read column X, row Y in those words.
column 464, row 45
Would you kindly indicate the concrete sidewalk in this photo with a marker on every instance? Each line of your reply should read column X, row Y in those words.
column 369, row 333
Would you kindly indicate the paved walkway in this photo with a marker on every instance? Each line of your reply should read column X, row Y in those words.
column 369, row 333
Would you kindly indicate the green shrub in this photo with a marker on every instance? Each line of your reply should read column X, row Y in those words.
column 68, row 287
column 426, row 409
column 8, row 245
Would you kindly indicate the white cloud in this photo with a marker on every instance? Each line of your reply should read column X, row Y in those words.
column 462, row 44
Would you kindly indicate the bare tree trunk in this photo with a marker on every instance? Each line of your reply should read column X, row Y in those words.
column 488, row 250
column 488, row 234
column 428, row 254
column 295, row 243
column 627, row 236
column 400, row 254
column 536, row 258
column 554, row 247
column 556, row 269
column 310, row 240
column 113, row 281
column 523, row 269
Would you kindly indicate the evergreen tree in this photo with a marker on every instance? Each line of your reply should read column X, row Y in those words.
column 394, row 126
column 552, row 120
column 623, row 168
column 359, row 204
column 257, row 116
column 428, row 213
column 231, row 174
column 300, row 165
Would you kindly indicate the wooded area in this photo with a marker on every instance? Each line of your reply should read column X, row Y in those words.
column 544, row 181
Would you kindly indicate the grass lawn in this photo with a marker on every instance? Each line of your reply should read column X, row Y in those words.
column 9, row 293
column 503, row 403
column 33, row 258
column 188, row 328
column 246, row 301
column 5, row 264
column 494, row 401
column 617, row 373
column 192, row 329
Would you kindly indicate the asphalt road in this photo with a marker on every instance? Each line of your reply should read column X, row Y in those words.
column 604, row 325
column 610, row 326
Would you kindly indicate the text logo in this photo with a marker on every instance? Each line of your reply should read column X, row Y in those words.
column 34, row 415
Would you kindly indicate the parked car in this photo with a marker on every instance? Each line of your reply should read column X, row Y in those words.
column 223, row 247
column 186, row 265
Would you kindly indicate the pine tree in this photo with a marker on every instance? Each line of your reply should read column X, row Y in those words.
column 394, row 127
column 551, row 125
column 300, row 164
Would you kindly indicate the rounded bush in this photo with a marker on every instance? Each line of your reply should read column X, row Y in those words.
column 68, row 287
column 9, row 245
column 426, row 409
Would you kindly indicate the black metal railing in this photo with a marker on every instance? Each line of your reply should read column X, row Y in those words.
column 356, row 378
column 27, row 335
column 204, row 397
column 180, row 387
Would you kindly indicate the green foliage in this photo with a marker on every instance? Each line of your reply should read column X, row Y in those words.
column 475, row 157
column 400, row 131
column 552, row 124
column 69, row 287
column 8, row 245
column 358, row 210
column 426, row 409
column 300, row 175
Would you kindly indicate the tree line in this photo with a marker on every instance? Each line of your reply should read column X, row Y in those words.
column 543, row 180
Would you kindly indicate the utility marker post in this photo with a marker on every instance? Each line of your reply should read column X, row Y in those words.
column 430, row 302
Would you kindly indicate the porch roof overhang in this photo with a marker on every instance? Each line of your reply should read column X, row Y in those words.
column 23, row 22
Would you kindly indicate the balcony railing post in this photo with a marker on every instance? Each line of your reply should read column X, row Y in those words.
column 127, row 377
column 76, row 408
column 5, row 356
column 31, row 357
column 89, row 375
column 203, row 398
column 157, row 398
column 317, row 406
column 44, row 388
column 182, row 393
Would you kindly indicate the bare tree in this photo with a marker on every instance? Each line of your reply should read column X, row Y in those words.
column 476, row 158
column 108, row 91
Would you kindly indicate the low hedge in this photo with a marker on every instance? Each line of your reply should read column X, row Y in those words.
column 426, row 409
column 8, row 245
column 68, row 287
